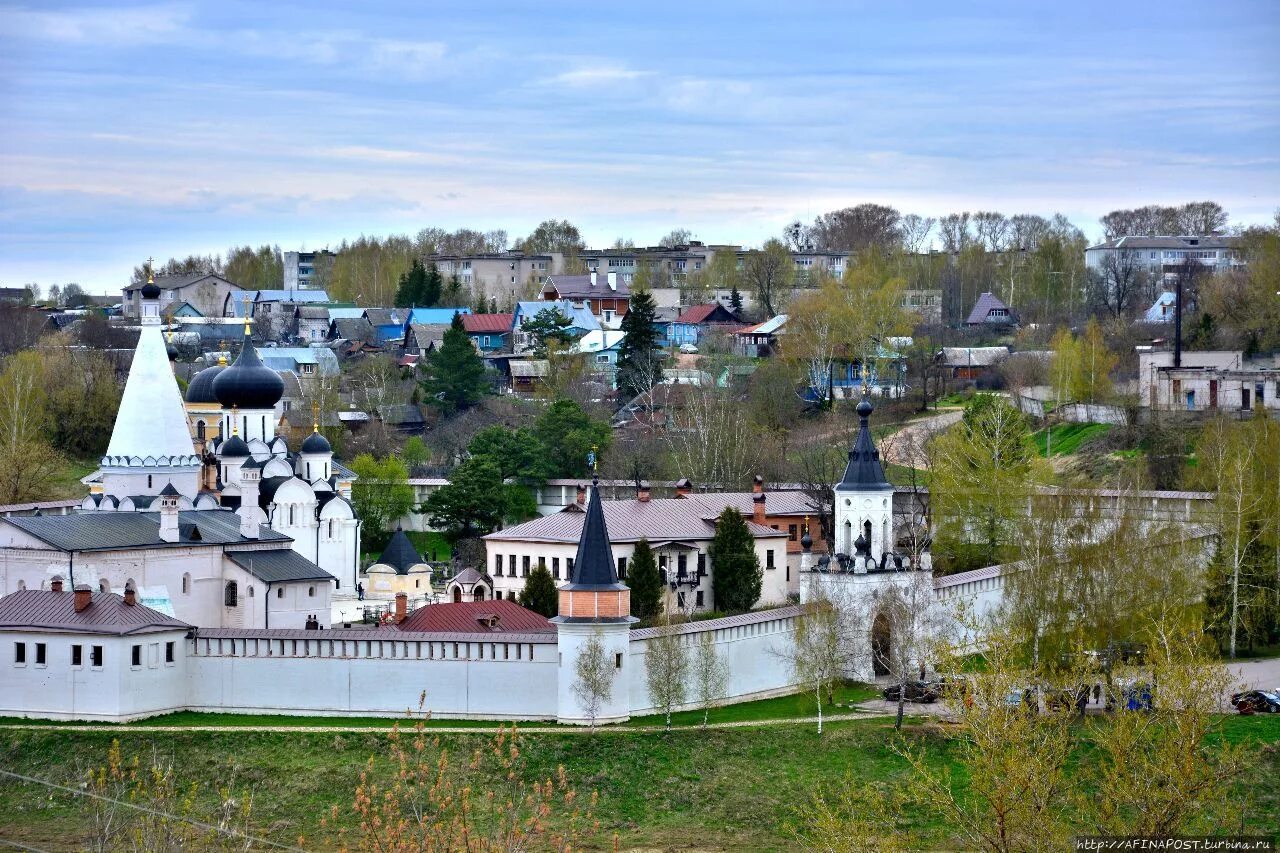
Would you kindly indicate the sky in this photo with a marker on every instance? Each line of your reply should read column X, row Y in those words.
column 168, row 129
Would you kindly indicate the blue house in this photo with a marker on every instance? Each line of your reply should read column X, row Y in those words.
column 676, row 327
column 581, row 320
column 489, row 332
column 601, row 349
column 428, row 317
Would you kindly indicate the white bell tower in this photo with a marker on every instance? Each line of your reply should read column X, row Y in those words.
column 864, row 501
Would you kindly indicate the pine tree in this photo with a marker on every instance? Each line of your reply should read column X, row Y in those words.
column 539, row 593
column 639, row 368
column 645, row 583
column 432, row 285
column 736, row 577
column 412, row 285
column 455, row 373
column 735, row 300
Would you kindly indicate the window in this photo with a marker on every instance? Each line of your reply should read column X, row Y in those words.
column 555, row 568
column 603, row 359
column 680, row 599
column 617, row 661
column 40, row 654
column 20, row 654
column 622, row 567
column 311, row 592
column 168, row 652
column 702, row 565
column 699, row 600
column 511, row 565
column 487, row 340
column 77, row 655
column 768, row 559
column 135, row 656
column 568, row 567
column 682, row 565
column 497, row 565
column 793, row 532
column 231, row 594
column 95, row 656
column 524, row 566
column 279, row 592
column 308, row 369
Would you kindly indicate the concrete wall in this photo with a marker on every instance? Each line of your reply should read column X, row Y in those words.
column 383, row 673
column 116, row 691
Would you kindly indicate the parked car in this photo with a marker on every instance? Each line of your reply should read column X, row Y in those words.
column 1257, row 702
column 916, row 691
column 689, row 349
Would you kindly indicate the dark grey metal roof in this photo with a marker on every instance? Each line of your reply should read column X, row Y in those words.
column 280, row 565
column 107, row 613
column 864, row 470
column 400, row 553
column 986, row 303
column 114, row 531
column 594, row 568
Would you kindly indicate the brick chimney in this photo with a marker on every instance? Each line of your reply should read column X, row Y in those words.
column 581, row 498
column 642, row 491
column 130, row 596
column 683, row 487
column 84, row 596
column 757, row 485
column 56, row 585
column 757, row 508
column 402, row 607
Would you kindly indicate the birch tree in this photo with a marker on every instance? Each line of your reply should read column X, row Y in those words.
column 593, row 678
column 710, row 674
column 666, row 668
column 815, row 656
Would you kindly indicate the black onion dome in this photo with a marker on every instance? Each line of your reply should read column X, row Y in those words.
column 865, row 408
column 200, row 390
column 234, row 448
column 316, row 443
column 150, row 290
column 248, row 383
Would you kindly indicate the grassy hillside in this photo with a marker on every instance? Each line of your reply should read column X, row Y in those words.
column 718, row 789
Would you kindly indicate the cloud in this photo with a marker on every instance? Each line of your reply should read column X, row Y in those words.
column 101, row 27
column 597, row 76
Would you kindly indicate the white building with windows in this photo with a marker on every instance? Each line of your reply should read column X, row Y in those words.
column 1163, row 255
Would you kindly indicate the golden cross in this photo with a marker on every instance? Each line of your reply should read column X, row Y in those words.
column 247, row 319
column 315, row 417
column 151, row 279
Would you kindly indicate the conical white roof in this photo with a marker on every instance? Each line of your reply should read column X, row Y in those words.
column 151, row 426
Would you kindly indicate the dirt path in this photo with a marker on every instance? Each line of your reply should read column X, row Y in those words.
column 907, row 445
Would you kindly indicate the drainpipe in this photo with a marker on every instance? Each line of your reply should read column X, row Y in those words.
column 71, row 569
column 266, row 607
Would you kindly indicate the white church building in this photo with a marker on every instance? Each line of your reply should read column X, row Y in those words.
column 264, row 548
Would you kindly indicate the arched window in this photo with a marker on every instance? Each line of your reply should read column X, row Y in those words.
column 103, row 586
column 200, row 430
column 279, row 592
column 251, row 591
column 457, row 593
column 848, row 537
column 866, row 531
column 292, row 515
column 231, row 595
column 311, row 592
column 186, row 583
column 148, row 481
column 478, row 594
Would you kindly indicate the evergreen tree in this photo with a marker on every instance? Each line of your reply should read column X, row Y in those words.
column 645, row 583
column 539, row 593
column 735, row 300
column 455, row 377
column 639, row 367
column 412, row 286
column 736, row 578
column 453, row 293
column 432, row 285
column 568, row 434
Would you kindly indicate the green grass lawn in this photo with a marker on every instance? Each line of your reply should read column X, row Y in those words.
column 66, row 482
column 431, row 545
column 715, row 789
column 1067, row 438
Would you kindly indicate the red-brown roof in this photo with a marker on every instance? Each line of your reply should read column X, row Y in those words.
column 469, row 617
column 700, row 314
column 486, row 323
column 44, row 610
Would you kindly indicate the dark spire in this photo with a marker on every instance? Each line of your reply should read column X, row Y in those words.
column 400, row 553
column 864, row 470
column 594, row 567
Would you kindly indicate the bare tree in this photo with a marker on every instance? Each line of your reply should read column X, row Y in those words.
column 856, row 228
column 954, row 231
column 593, row 678
column 910, row 616
column 715, row 441
column 992, row 229
column 666, row 668
column 710, row 674
column 915, row 232
column 769, row 272
column 815, row 656
column 1117, row 281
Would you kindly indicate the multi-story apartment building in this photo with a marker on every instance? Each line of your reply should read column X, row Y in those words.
column 1164, row 255
column 499, row 273
column 667, row 265
column 300, row 268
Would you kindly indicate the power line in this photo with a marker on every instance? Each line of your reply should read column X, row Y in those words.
column 156, row 812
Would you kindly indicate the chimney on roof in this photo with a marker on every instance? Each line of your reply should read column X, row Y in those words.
column 757, row 485
column 683, row 487
column 84, row 595
column 613, row 281
column 402, row 607
column 642, row 491
column 130, row 596
column 169, row 514
column 593, row 278
column 581, row 498
column 56, row 585
column 757, row 508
